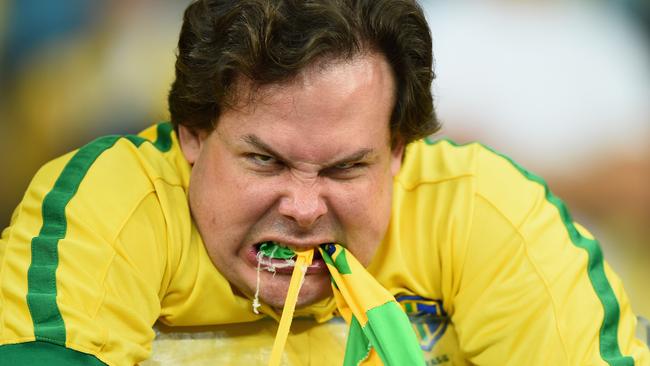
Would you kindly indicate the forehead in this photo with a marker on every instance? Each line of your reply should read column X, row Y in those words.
column 334, row 97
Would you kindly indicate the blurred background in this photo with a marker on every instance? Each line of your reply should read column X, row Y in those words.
column 561, row 86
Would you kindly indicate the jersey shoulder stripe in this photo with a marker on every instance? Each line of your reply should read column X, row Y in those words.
column 41, row 276
column 608, row 341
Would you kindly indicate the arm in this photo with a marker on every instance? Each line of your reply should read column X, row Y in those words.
column 82, row 266
column 41, row 353
column 534, row 288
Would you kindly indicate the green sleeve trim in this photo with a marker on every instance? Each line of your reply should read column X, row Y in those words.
column 44, row 353
column 610, row 350
column 163, row 137
column 41, row 275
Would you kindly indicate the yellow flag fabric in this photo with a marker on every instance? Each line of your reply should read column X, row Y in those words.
column 297, row 277
column 380, row 332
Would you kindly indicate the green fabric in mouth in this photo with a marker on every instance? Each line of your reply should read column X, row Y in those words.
column 273, row 250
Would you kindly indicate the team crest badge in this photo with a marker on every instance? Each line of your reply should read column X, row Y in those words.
column 428, row 318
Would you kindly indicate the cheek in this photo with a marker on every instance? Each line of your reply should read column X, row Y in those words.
column 365, row 220
column 226, row 201
column 212, row 196
column 364, row 208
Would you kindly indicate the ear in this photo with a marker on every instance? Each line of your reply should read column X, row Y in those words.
column 191, row 141
column 397, row 154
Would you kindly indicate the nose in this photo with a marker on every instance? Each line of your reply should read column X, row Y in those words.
column 303, row 204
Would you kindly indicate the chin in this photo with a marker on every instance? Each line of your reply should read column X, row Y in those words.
column 314, row 289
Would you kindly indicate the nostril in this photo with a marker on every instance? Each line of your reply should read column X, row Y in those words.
column 303, row 206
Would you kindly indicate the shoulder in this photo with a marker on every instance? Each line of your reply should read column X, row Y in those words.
column 442, row 192
column 102, row 182
column 88, row 248
column 485, row 174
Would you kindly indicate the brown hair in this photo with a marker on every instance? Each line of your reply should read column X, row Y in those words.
column 270, row 41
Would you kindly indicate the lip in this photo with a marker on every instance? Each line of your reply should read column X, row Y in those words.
column 317, row 266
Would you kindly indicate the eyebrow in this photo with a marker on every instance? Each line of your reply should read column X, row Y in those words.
column 255, row 141
column 260, row 145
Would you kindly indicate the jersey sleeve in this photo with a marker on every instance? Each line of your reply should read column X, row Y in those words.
column 83, row 262
column 534, row 287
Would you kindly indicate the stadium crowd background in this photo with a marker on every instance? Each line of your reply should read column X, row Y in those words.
column 562, row 86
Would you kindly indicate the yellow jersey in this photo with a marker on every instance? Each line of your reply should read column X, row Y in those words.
column 102, row 264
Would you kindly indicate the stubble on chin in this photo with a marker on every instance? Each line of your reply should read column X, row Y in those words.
column 312, row 291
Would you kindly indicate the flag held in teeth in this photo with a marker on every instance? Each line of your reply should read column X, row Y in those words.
column 379, row 330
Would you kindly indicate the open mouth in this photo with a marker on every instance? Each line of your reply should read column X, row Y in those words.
column 277, row 258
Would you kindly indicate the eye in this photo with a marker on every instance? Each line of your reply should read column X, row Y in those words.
column 262, row 159
column 345, row 166
column 345, row 171
column 263, row 163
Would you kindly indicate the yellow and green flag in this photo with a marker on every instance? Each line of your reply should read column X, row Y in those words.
column 380, row 332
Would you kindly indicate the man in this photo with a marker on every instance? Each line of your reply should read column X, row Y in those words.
column 299, row 124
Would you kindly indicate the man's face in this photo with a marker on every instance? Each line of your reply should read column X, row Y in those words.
column 304, row 163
